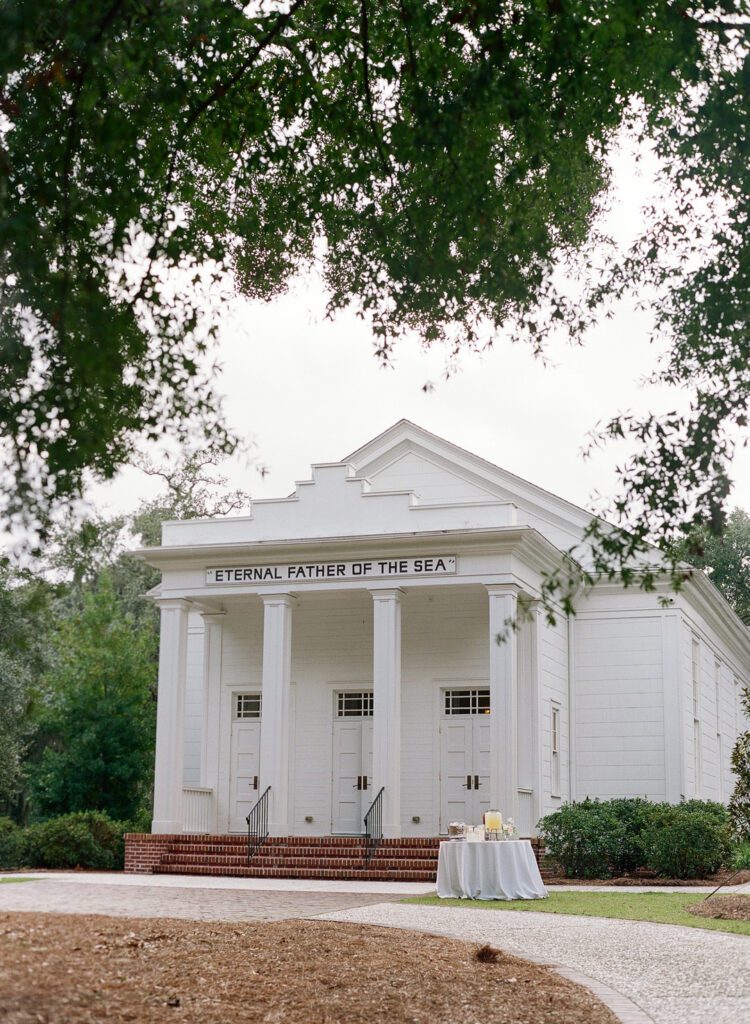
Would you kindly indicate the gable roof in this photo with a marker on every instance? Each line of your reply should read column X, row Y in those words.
column 405, row 437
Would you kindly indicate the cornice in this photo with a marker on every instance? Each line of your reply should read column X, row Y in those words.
column 491, row 540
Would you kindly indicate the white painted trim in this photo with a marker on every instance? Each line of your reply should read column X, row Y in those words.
column 538, row 717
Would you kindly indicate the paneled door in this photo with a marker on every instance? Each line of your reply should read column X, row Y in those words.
column 245, row 758
column 352, row 761
column 464, row 756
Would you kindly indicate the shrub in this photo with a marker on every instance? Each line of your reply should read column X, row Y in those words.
column 716, row 810
column 686, row 842
column 86, row 839
column 634, row 815
column 595, row 839
column 584, row 838
column 12, row 846
column 739, row 805
column 741, row 857
column 140, row 822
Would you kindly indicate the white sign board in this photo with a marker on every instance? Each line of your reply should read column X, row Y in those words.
column 431, row 565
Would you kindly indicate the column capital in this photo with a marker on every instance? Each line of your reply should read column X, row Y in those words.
column 213, row 617
column 179, row 604
column 288, row 599
column 502, row 589
column 391, row 594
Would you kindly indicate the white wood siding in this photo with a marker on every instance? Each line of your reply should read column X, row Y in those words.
column 445, row 642
column 331, row 650
column 718, row 733
column 241, row 667
column 619, row 700
column 429, row 481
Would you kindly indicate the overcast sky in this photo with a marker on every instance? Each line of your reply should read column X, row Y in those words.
column 306, row 389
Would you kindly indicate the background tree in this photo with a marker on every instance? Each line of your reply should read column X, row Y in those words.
column 78, row 655
column 725, row 559
column 24, row 607
column 97, row 710
column 739, row 805
column 443, row 163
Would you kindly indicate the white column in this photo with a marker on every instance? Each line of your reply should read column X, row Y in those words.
column 170, row 717
column 537, row 625
column 386, row 731
column 503, row 701
column 213, row 629
column 275, row 720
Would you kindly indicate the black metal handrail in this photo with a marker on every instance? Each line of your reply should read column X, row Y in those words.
column 257, row 825
column 374, row 827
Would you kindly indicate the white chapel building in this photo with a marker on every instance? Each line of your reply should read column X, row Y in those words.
column 344, row 640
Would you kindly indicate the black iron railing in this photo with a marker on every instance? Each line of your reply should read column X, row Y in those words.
column 374, row 827
column 257, row 825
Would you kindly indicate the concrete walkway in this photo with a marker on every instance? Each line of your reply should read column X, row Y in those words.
column 676, row 975
column 225, row 882
column 191, row 897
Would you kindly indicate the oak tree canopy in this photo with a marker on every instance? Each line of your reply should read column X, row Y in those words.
column 443, row 164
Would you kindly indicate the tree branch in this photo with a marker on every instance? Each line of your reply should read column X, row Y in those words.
column 218, row 92
column 70, row 147
column 365, row 36
column 405, row 17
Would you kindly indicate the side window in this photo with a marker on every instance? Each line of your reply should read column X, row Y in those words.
column 555, row 748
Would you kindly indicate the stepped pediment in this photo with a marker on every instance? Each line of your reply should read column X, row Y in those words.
column 338, row 502
column 406, row 480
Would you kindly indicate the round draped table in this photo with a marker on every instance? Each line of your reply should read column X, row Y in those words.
column 505, row 870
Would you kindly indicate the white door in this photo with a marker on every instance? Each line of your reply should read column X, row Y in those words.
column 464, row 757
column 245, row 762
column 352, row 762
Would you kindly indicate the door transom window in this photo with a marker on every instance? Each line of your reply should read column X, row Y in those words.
column 355, row 704
column 467, row 702
column 247, row 705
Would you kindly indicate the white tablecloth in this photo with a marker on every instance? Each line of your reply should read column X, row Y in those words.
column 489, row 871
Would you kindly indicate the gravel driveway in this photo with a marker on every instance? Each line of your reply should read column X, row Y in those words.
column 676, row 975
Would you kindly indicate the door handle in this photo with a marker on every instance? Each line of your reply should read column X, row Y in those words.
column 359, row 783
column 364, row 782
column 476, row 782
column 254, row 783
column 467, row 784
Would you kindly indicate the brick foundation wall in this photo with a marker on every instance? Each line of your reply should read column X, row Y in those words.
column 143, row 852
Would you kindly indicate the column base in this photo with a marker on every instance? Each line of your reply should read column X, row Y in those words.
column 278, row 828
column 164, row 827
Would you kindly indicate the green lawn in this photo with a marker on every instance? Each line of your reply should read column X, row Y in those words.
column 660, row 907
column 12, row 880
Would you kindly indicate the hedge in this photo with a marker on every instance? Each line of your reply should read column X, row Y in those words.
column 598, row 839
column 86, row 839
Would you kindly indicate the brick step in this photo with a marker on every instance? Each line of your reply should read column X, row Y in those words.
column 369, row 875
column 326, row 841
column 262, row 860
column 277, row 850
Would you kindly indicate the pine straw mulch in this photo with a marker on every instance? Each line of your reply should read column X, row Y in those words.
column 728, row 907
column 58, row 969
